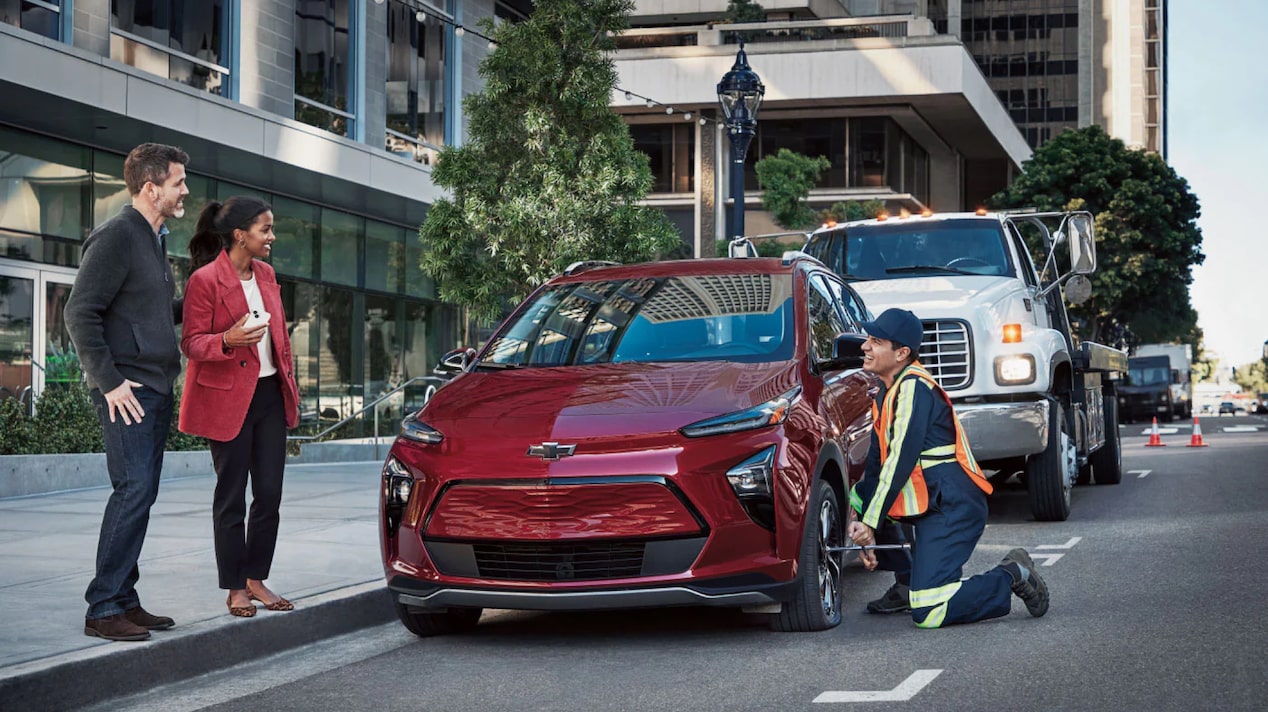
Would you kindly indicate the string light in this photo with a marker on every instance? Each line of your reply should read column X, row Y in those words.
column 459, row 31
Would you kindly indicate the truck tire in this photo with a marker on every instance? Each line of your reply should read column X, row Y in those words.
column 817, row 603
column 1051, row 473
column 1107, row 463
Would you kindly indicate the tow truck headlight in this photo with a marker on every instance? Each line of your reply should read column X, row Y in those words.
column 752, row 481
column 772, row 412
column 1015, row 370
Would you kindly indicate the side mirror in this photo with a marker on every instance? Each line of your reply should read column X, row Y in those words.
column 1078, row 289
column 454, row 361
column 1082, row 243
column 847, row 352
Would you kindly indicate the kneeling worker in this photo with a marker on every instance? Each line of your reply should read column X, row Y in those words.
column 920, row 471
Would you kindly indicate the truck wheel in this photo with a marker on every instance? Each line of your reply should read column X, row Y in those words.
column 1107, row 463
column 453, row 620
column 1050, row 474
column 817, row 603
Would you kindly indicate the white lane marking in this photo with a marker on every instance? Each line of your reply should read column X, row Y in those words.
column 1161, row 431
column 1047, row 559
column 1068, row 545
column 1142, row 473
column 1240, row 429
column 906, row 690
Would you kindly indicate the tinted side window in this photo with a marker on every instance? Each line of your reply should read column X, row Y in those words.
column 1028, row 272
column 825, row 320
column 841, row 295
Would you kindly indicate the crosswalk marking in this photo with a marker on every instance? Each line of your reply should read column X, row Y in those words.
column 1140, row 474
column 906, row 690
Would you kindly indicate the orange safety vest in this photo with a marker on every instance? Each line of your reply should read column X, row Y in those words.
column 914, row 497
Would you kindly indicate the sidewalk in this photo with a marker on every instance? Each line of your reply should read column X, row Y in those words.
column 327, row 563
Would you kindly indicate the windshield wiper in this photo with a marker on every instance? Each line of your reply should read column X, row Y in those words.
column 924, row 268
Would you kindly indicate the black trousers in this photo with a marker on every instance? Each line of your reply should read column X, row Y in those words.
column 244, row 549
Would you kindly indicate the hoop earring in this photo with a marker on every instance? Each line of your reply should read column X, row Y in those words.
column 242, row 243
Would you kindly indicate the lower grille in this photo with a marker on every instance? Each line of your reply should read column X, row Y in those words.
column 559, row 562
column 946, row 354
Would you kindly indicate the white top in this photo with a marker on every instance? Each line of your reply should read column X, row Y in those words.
column 256, row 303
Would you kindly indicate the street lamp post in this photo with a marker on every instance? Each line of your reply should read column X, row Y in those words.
column 740, row 95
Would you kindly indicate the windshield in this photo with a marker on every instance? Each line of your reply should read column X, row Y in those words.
column 917, row 248
column 742, row 317
column 1148, row 375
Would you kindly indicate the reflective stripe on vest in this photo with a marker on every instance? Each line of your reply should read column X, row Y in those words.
column 913, row 499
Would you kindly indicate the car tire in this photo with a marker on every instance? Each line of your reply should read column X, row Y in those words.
column 1046, row 472
column 1107, row 462
column 453, row 620
column 817, row 603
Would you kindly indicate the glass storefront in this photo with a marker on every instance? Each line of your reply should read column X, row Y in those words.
column 362, row 316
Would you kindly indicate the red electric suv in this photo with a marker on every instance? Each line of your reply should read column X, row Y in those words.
column 663, row 434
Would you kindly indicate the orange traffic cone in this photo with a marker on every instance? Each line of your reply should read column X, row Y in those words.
column 1155, row 440
column 1196, row 440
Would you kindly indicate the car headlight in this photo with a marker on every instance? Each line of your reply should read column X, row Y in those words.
column 414, row 429
column 398, row 485
column 1014, row 370
column 772, row 412
column 752, row 481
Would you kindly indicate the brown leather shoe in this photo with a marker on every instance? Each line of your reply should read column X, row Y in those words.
column 145, row 619
column 116, row 627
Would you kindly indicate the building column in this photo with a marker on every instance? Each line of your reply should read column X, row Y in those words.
column 706, row 186
column 955, row 13
column 266, row 56
column 374, row 117
column 92, row 26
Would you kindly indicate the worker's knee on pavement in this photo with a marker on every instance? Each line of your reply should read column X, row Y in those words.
column 930, row 617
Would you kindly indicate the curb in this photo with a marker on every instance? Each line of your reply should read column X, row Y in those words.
column 121, row 669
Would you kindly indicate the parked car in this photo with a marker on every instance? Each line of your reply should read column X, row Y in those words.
column 1228, row 407
column 661, row 434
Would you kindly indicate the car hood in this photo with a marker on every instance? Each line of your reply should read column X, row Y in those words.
column 602, row 401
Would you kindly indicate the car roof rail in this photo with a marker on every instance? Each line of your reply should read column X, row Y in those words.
column 792, row 256
column 741, row 247
column 583, row 265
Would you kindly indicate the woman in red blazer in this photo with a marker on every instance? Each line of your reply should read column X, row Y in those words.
column 240, row 389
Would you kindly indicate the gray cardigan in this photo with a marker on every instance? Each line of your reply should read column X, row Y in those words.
column 122, row 314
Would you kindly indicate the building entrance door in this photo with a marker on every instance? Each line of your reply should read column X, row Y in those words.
column 35, row 348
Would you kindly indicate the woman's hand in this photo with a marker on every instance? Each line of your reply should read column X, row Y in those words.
column 863, row 535
column 237, row 336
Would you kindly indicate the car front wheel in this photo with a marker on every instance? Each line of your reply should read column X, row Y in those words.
column 817, row 603
column 424, row 624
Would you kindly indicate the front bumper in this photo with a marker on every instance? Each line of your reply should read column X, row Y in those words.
column 1002, row 430
column 432, row 596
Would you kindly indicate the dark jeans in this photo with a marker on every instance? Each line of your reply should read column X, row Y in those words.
column 245, row 550
column 134, row 458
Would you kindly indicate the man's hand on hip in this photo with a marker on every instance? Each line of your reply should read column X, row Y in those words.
column 128, row 406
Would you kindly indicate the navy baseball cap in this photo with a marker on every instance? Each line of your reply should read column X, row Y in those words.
column 899, row 326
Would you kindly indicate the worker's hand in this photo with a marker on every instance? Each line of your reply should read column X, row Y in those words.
column 121, row 399
column 237, row 336
column 863, row 535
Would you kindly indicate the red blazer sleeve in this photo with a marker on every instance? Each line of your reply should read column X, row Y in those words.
column 199, row 339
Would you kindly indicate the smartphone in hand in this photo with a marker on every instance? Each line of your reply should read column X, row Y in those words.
column 256, row 319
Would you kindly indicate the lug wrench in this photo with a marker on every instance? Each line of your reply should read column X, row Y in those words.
column 869, row 547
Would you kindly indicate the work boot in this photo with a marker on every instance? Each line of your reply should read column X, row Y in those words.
column 1027, row 584
column 145, row 619
column 896, row 600
column 116, row 627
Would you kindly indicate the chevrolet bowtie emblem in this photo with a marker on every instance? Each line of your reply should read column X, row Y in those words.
column 551, row 451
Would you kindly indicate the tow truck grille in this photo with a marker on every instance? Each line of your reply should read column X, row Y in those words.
column 947, row 353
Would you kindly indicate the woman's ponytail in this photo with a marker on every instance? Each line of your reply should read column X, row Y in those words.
column 206, row 244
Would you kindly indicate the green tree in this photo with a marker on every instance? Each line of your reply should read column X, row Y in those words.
column 1146, row 229
column 786, row 179
column 851, row 210
column 549, row 175
column 740, row 11
column 1252, row 377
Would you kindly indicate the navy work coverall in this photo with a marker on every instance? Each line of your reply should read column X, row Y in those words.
column 945, row 535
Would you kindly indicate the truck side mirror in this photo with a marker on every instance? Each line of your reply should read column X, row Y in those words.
column 847, row 352
column 1082, row 243
column 454, row 361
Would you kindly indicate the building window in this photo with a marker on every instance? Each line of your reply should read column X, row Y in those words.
column 45, row 198
column 867, row 152
column 415, row 82
column 182, row 41
column 43, row 17
column 323, row 64
column 671, row 154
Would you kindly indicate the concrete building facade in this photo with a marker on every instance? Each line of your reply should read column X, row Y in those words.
column 333, row 110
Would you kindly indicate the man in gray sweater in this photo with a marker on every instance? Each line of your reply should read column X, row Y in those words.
column 122, row 316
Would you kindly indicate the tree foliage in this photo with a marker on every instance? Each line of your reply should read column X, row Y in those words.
column 549, row 175
column 1146, row 233
column 851, row 210
column 786, row 179
column 741, row 11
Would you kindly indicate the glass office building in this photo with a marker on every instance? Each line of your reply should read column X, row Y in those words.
column 331, row 110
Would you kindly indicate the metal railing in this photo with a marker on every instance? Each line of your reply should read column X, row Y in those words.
column 373, row 405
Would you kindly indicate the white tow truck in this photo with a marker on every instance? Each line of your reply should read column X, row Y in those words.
column 997, row 335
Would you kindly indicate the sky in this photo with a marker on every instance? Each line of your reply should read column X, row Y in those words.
column 1217, row 114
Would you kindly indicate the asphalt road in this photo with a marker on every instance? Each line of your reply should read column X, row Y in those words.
column 1157, row 604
